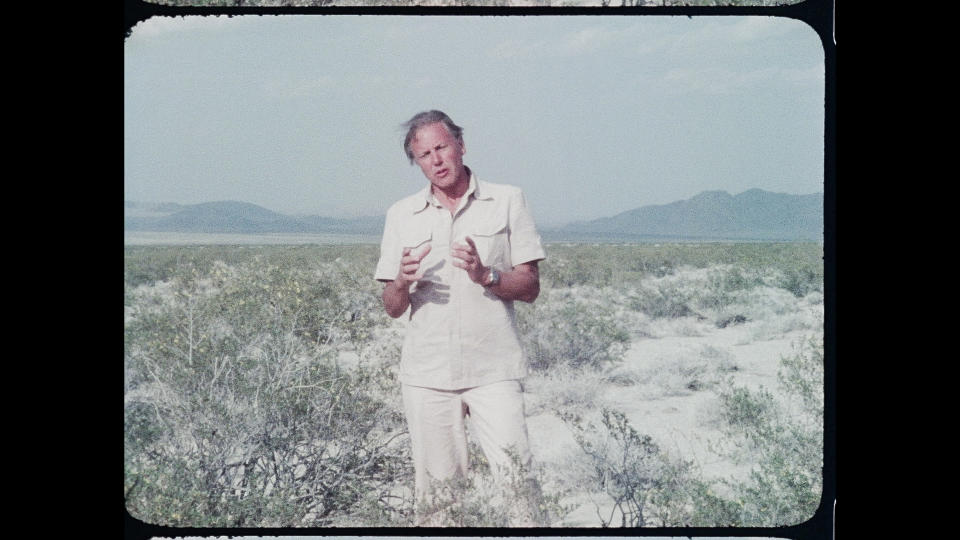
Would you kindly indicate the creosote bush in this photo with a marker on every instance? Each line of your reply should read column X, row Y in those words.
column 237, row 413
column 648, row 487
column 240, row 409
column 560, row 330
column 783, row 438
column 485, row 498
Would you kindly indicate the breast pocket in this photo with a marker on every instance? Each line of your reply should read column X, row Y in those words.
column 493, row 243
column 415, row 238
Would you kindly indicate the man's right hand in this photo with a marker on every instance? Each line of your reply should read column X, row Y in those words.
column 410, row 265
column 396, row 293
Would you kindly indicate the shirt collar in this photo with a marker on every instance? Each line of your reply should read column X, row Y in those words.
column 474, row 189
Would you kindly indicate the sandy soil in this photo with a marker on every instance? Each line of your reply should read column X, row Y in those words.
column 682, row 424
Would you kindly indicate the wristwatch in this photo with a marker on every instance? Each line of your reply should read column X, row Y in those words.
column 494, row 278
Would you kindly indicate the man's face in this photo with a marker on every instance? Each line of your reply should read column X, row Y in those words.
column 439, row 155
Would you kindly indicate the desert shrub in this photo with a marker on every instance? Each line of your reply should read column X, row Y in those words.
column 801, row 281
column 691, row 370
column 727, row 294
column 679, row 373
column 566, row 271
column 463, row 502
column 239, row 410
column 600, row 265
column 775, row 312
column 724, row 293
column 724, row 286
column 151, row 264
column 720, row 360
column 290, row 457
column 694, row 375
column 484, row 498
column 782, row 437
column 664, row 301
column 237, row 413
column 646, row 486
column 560, row 330
column 731, row 320
column 563, row 388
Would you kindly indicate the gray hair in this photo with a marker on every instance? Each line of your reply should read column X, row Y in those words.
column 426, row 118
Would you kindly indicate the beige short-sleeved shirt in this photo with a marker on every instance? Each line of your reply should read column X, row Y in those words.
column 459, row 334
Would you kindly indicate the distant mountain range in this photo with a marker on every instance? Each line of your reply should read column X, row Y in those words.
column 712, row 215
column 237, row 217
column 752, row 215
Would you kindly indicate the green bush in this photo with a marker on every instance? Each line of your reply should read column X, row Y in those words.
column 563, row 388
column 647, row 487
column 666, row 302
column 600, row 265
column 484, row 498
column 240, row 412
column 783, row 438
column 237, row 412
column 801, row 281
column 725, row 286
column 559, row 330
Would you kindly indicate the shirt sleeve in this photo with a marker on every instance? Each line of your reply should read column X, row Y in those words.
column 525, row 245
column 390, row 250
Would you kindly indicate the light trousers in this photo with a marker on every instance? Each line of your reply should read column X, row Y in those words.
column 437, row 424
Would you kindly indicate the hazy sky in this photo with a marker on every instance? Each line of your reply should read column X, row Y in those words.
column 590, row 115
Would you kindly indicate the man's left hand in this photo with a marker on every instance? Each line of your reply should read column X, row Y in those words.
column 465, row 256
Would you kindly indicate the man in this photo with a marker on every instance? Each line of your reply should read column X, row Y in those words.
column 456, row 256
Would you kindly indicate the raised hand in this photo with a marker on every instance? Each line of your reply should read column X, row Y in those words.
column 410, row 264
column 465, row 256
